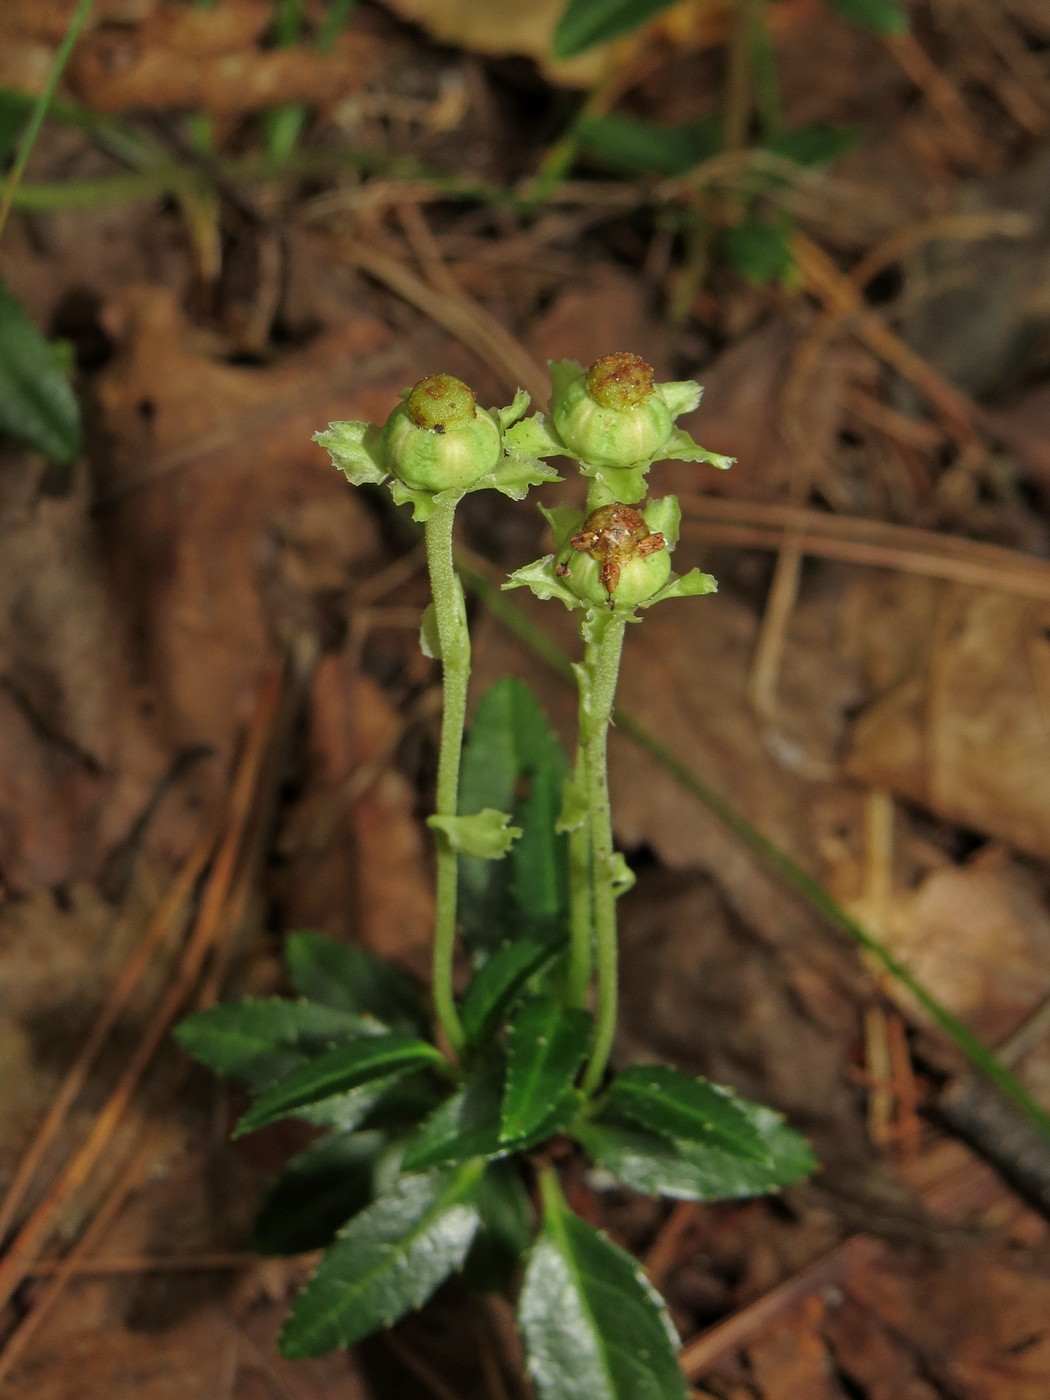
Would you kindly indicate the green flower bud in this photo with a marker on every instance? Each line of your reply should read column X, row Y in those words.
column 615, row 558
column 613, row 416
column 438, row 439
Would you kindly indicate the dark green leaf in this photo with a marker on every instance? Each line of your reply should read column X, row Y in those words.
column 812, row 145
column 334, row 1073
column 585, row 23
column 499, row 983
column 594, row 1327
column 678, row 1106
column 37, row 403
column 257, row 1042
column 388, row 1260
column 659, row 1166
column 759, row 250
column 317, row 1193
column 545, row 1049
column 883, row 16
column 13, row 111
column 513, row 762
column 352, row 979
column 467, row 1124
column 632, row 146
column 507, row 1224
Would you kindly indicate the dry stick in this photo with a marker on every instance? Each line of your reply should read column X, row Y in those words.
column 152, row 937
column 942, row 95
column 663, row 1253
column 477, row 328
column 1012, row 575
column 26, row 1246
column 965, row 228
column 142, row 1264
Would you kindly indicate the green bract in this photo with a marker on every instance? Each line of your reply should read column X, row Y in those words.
column 437, row 440
column 615, row 421
column 577, row 573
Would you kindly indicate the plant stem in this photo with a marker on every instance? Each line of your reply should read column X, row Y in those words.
column 25, row 146
column 450, row 614
column 598, row 676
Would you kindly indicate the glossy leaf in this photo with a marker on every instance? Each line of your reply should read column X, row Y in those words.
column 351, row 978
column 388, row 1260
column 882, row 16
column 594, row 1327
column 545, row 1048
column 585, row 23
column 499, row 983
column 317, row 1193
column 513, row 762
column 468, row 1123
column 345, row 1068
column 37, row 403
column 660, row 1166
column 257, row 1042
column 508, row 1223
column 678, row 1106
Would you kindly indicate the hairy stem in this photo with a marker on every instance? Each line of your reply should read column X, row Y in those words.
column 454, row 640
column 598, row 677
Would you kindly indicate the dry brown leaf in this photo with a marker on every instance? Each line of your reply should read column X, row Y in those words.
column 977, row 1323
column 979, row 939
column 483, row 27
column 790, row 1359
column 960, row 720
column 202, row 61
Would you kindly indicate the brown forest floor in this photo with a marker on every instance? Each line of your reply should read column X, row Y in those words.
column 215, row 724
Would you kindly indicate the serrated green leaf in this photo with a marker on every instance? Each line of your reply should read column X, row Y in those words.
column 388, row 1260
column 485, row 835
column 508, row 1222
column 660, row 1166
column 256, row 1042
column 812, row 145
column 694, row 584
column 336, row 1072
column 499, row 983
column 513, row 762
column 633, row 146
column 351, row 978
column 680, row 447
column 882, row 16
column 545, row 1048
column 594, row 1327
column 37, row 403
column 534, row 437
column 542, row 579
column 317, row 1193
column 585, row 23
column 355, row 448
column 515, row 474
column 679, row 1106
column 467, row 1124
